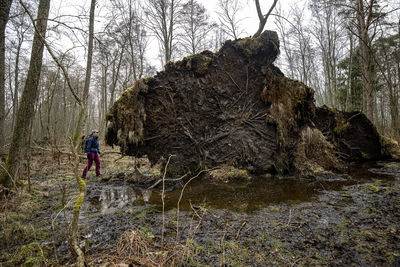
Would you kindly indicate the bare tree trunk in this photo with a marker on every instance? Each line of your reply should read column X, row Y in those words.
column 50, row 100
column 348, row 95
column 16, row 83
column 382, row 111
column 162, row 19
column 393, row 104
column 229, row 22
column 28, row 99
column 170, row 34
column 285, row 42
column 29, row 157
column 65, row 125
column 116, row 72
column 262, row 18
column 364, row 21
column 5, row 6
column 74, row 240
column 396, row 98
column 104, row 95
column 195, row 26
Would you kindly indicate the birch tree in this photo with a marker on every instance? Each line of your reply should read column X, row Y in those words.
column 228, row 14
column 20, row 26
column 163, row 18
column 196, row 26
column 328, row 29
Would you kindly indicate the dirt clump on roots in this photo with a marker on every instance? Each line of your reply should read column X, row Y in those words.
column 353, row 135
column 390, row 148
column 235, row 108
column 226, row 173
column 314, row 154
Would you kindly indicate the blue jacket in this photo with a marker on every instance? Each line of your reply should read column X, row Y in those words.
column 93, row 145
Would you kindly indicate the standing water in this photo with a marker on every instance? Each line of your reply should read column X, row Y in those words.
column 244, row 196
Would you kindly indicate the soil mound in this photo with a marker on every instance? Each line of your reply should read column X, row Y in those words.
column 236, row 108
column 353, row 134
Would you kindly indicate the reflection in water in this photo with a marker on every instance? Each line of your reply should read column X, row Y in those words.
column 115, row 198
column 248, row 196
column 146, row 194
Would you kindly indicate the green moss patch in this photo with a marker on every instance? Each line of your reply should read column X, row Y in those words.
column 390, row 148
column 229, row 173
column 341, row 124
column 198, row 63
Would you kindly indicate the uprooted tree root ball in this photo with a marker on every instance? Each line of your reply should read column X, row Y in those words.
column 234, row 107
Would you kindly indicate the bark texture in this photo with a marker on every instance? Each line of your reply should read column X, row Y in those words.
column 28, row 99
column 233, row 107
column 5, row 6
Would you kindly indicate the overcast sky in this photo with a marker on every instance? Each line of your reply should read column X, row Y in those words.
column 248, row 14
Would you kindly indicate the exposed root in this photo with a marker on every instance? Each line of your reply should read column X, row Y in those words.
column 314, row 154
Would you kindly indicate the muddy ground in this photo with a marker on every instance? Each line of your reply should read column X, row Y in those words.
column 327, row 220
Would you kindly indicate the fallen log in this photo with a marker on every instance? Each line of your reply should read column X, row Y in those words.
column 232, row 107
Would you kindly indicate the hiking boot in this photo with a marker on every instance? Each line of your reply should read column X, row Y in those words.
column 83, row 177
column 98, row 175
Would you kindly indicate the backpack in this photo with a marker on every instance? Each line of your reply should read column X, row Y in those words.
column 84, row 142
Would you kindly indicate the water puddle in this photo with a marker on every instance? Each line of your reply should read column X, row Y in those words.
column 114, row 198
column 247, row 196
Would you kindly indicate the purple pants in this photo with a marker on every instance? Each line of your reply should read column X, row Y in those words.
column 92, row 157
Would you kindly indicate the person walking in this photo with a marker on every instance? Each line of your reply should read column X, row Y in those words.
column 92, row 151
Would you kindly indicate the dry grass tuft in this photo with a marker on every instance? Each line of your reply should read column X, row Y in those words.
column 134, row 243
column 314, row 154
column 390, row 148
column 136, row 249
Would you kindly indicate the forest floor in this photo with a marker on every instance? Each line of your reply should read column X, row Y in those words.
column 328, row 220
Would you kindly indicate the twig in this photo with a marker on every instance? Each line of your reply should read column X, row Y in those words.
column 233, row 81
column 355, row 115
column 13, row 181
column 41, row 253
column 180, row 198
column 294, row 263
column 191, row 233
column 290, row 217
column 121, row 157
column 153, row 137
column 258, row 116
column 247, row 78
column 172, row 180
column 5, row 223
column 323, row 187
column 223, row 246
column 240, row 229
column 110, row 152
column 55, row 218
column 163, row 200
column 243, row 91
column 194, row 209
column 53, row 228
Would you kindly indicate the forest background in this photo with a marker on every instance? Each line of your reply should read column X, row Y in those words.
column 348, row 51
